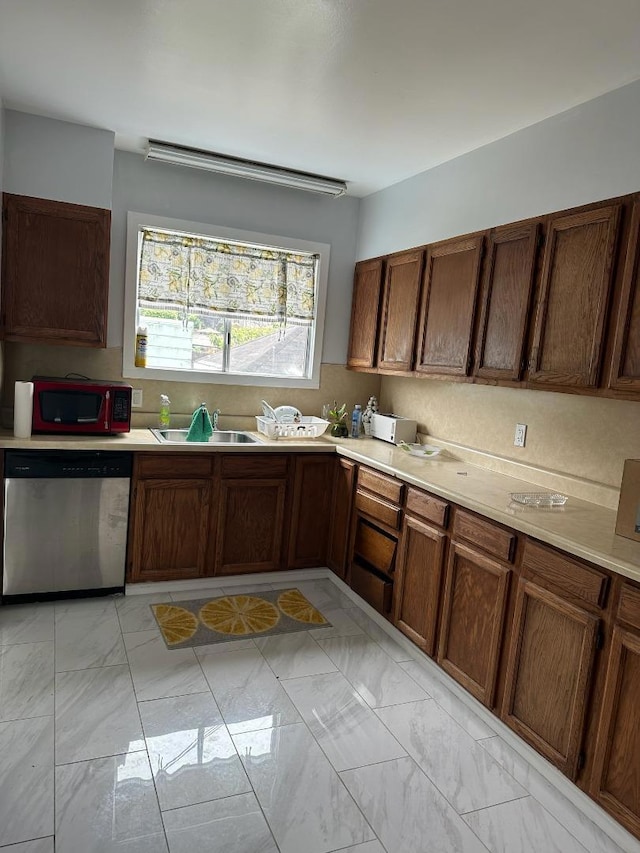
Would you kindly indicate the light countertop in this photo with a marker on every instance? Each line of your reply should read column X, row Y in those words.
column 584, row 529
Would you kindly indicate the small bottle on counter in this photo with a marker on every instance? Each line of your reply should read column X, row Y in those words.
column 141, row 347
column 356, row 421
column 165, row 411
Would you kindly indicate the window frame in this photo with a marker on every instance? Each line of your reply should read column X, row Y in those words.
column 136, row 221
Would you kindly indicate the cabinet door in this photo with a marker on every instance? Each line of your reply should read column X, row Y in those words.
column 341, row 510
column 310, row 518
column 399, row 311
column 473, row 617
column 549, row 674
column 365, row 310
column 574, row 297
column 417, row 582
column 249, row 531
column 506, row 299
column 617, row 759
column 170, row 530
column 55, row 274
column 447, row 311
column 625, row 367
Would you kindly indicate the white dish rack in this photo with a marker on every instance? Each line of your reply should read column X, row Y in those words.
column 307, row 427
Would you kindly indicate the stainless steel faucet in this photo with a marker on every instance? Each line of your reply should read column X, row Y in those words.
column 214, row 418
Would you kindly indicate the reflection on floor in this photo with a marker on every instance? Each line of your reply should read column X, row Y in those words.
column 335, row 739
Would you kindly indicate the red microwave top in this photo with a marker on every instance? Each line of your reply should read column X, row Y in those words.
column 92, row 407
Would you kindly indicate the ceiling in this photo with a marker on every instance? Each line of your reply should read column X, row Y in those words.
column 369, row 91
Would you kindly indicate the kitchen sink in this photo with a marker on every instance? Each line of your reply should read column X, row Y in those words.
column 220, row 436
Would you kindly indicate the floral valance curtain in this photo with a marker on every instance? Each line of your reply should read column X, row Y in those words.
column 228, row 278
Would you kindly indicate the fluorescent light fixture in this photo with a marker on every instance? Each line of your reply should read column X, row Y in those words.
column 243, row 168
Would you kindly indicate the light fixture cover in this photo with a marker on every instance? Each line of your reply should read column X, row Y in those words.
column 244, row 168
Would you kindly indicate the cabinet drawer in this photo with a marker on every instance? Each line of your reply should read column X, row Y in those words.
column 379, row 484
column 491, row 538
column 375, row 591
column 375, row 547
column 578, row 579
column 252, row 465
column 378, row 509
column 629, row 606
column 174, row 465
column 426, row 506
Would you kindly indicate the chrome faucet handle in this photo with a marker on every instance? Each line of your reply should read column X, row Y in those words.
column 214, row 418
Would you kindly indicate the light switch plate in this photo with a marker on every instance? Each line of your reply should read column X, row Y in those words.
column 520, row 436
column 136, row 398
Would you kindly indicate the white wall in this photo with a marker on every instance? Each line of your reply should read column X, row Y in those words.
column 585, row 154
column 54, row 159
column 182, row 193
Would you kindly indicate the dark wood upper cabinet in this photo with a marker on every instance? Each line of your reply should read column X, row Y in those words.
column 55, row 271
column 574, row 295
column 399, row 311
column 505, row 301
column 365, row 311
column 447, row 310
column 625, row 366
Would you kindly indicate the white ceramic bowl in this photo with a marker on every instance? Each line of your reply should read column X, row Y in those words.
column 426, row 451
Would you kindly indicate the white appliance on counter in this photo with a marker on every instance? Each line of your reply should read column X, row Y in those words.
column 393, row 428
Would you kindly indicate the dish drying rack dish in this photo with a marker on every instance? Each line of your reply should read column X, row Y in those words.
column 307, row 426
column 539, row 498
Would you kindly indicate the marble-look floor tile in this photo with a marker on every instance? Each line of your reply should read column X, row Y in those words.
column 294, row 655
column 372, row 629
column 522, row 826
column 456, row 764
column 244, row 589
column 407, row 812
column 193, row 758
column 39, row 845
column 233, row 825
column 26, row 780
column 108, row 805
column 225, row 646
column 96, row 714
column 87, row 634
column 456, row 708
column 367, row 847
column 26, row 623
column 378, row 679
column 135, row 613
column 306, row 805
column 555, row 802
column 159, row 672
column 26, row 680
column 247, row 692
column 347, row 730
column 195, row 594
column 342, row 624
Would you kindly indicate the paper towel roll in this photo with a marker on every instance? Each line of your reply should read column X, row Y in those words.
column 22, row 409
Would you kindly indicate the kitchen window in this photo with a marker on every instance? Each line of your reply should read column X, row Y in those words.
column 222, row 305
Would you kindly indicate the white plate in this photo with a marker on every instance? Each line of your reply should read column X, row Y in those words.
column 287, row 414
column 426, row 451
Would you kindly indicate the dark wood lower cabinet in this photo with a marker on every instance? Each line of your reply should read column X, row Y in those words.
column 617, row 761
column 170, row 533
column 310, row 518
column 250, row 526
column 548, row 680
column 417, row 582
column 341, row 508
column 473, row 619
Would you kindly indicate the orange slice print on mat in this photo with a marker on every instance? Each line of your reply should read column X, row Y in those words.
column 294, row 604
column 176, row 623
column 239, row 615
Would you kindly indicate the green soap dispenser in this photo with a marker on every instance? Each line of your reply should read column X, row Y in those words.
column 165, row 411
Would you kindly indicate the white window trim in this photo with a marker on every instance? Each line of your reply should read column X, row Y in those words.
column 136, row 221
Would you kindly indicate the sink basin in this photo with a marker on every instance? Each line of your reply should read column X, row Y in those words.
column 227, row 436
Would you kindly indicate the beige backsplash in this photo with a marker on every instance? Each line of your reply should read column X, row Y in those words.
column 238, row 403
column 574, row 443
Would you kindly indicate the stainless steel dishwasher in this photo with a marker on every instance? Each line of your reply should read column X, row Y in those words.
column 65, row 522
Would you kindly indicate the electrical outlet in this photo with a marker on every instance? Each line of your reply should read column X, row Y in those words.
column 520, row 436
column 136, row 398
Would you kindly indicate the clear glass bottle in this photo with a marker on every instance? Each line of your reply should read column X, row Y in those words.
column 165, row 411
column 356, row 421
